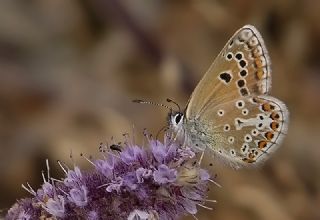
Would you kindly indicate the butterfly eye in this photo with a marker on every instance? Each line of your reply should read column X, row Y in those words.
column 178, row 118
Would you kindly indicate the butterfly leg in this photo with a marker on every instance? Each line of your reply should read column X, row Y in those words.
column 201, row 157
column 171, row 136
column 179, row 138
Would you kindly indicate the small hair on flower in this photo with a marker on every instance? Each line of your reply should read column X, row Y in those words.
column 160, row 180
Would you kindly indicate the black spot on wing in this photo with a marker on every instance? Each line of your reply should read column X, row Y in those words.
column 241, row 83
column 244, row 92
column 243, row 63
column 225, row 77
column 243, row 72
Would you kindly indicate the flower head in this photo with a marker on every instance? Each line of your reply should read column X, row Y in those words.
column 158, row 181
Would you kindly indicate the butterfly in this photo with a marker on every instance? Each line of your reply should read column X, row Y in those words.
column 230, row 113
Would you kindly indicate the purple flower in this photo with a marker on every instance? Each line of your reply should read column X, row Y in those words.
column 164, row 174
column 188, row 204
column 132, row 154
column 160, row 181
column 105, row 166
column 47, row 190
column 24, row 210
column 24, row 216
column 92, row 215
column 55, row 206
column 142, row 174
column 163, row 152
column 130, row 180
column 115, row 185
column 73, row 177
column 79, row 196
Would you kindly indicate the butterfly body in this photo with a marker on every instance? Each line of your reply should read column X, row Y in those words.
column 230, row 113
column 190, row 132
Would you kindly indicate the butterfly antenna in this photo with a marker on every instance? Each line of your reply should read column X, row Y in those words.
column 150, row 103
column 170, row 100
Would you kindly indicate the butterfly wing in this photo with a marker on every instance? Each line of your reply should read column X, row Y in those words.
column 242, row 68
column 230, row 107
column 248, row 130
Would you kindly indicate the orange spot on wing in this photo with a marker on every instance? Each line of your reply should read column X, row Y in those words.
column 269, row 135
column 275, row 116
column 258, row 63
column 262, row 144
column 274, row 126
column 259, row 74
column 250, row 159
column 267, row 107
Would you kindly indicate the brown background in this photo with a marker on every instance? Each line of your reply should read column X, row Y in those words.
column 69, row 70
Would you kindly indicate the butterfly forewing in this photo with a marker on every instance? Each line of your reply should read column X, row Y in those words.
column 230, row 107
column 242, row 68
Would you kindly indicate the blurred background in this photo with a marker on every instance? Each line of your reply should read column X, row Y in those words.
column 69, row 70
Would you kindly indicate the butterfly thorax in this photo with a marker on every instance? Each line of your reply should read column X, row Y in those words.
column 188, row 132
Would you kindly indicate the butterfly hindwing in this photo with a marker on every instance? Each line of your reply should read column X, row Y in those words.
column 244, row 131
